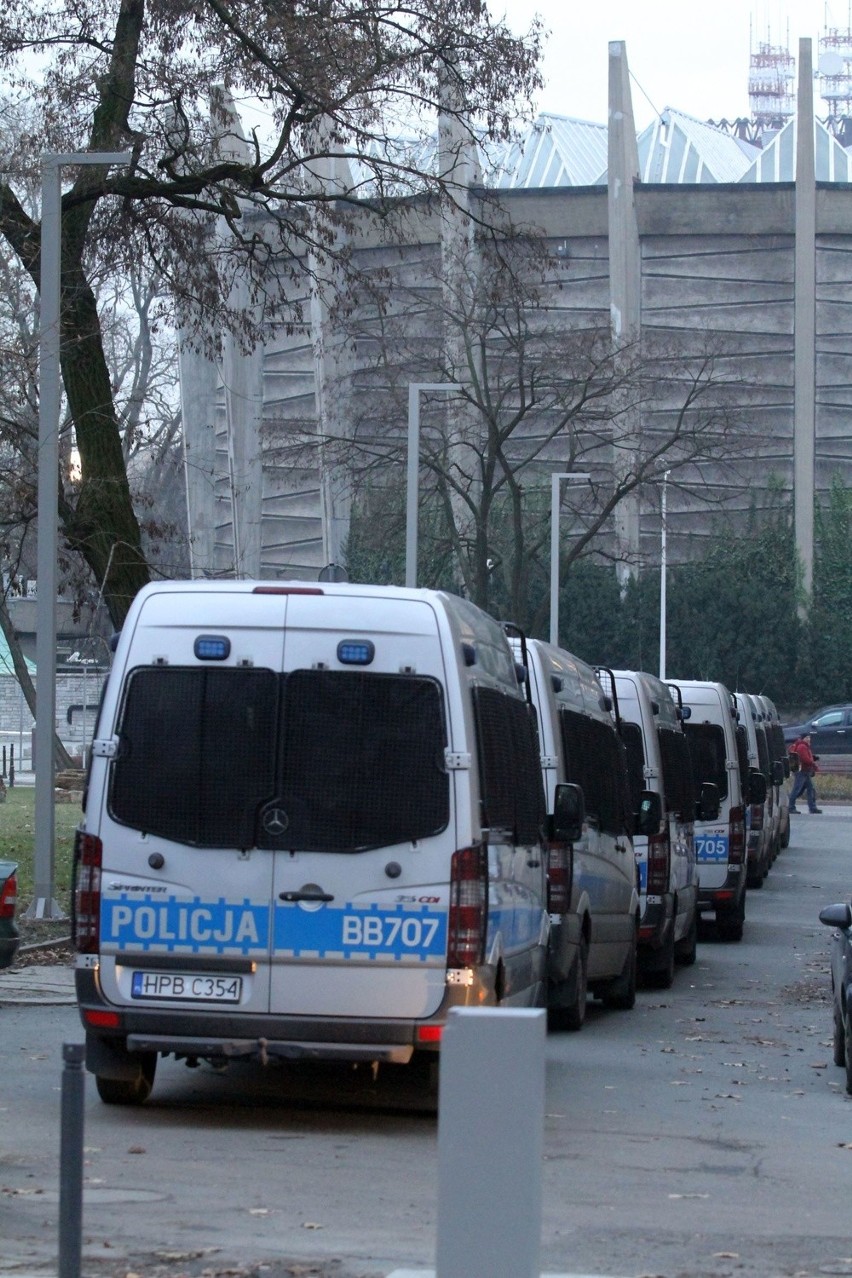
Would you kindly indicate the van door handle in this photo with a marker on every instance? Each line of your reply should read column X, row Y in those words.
column 533, row 865
column 621, row 847
column 305, row 896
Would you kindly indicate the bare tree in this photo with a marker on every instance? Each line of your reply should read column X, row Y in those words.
column 138, row 74
column 540, row 393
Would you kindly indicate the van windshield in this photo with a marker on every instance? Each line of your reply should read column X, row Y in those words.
column 708, row 754
column 316, row 760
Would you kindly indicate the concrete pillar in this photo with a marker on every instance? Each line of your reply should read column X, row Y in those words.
column 330, row 174
column 459, row 169
column 804, row 424
column 625, row 284
column 242, row 378
column 199, row 378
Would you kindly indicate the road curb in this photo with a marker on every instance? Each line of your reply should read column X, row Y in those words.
column 46, row 984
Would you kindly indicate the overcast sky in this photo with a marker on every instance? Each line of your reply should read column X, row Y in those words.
column 688, row 54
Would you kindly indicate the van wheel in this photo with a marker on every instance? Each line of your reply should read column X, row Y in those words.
column 839, row 1044
column 621, row 993
column 730, row 923
column 123, row 1091
column 661, row 975
column 686, row 949
column 573, row 1016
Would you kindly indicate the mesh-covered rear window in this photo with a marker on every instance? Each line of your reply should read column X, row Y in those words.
column 762, row 750
column 362, row 762
column 709, row 755
column 509, row 763
column 631, row 735
column 596, row 760
column 315, row 760
column 677, row 773
column 196, row 753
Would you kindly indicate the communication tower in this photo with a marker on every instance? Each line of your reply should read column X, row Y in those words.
column 771, row 85
column 835, row 70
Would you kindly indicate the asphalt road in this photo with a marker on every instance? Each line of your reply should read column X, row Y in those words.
column 706, row 1132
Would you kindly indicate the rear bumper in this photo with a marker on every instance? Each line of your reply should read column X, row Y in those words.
column 224, row 1035
column 656, row 923
column 727, row 894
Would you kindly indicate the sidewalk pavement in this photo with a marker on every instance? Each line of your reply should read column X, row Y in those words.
column 49, row 984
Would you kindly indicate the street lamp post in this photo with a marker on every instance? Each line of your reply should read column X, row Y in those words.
column 43, row 903
column 555, row 483
column 413, row 471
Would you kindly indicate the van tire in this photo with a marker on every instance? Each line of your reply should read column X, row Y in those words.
column 660, row 976
column 620, row 994
column 572, row 1016
column 686, row 949
column 122, row 1091
column 839, row 1043
column 730, row 923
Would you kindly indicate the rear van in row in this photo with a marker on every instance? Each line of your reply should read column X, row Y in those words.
column 718, row 758
column 661, row 782
column 315, row 821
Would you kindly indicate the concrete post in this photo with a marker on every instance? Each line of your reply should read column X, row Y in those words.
column 71, row 1161
column 804, row 424
column 625, row 284
column 490, row 1143
column 199, row 377
column 242, row 376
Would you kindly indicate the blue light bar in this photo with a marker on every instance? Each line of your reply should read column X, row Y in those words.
column 355, row 652
column 212, row 647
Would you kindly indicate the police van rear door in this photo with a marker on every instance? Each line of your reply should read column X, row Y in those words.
column 361, row 823
column 186, row 907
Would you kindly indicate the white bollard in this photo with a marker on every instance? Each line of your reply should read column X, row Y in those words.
column 490, row 1143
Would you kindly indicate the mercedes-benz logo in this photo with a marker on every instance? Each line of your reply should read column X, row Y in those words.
column 275, row 821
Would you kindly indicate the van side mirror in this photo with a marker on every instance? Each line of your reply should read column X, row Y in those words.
column 837, row 916
column 778, row 772
column 756, row 786
column 650, row 813
column 569, row 813
column 708, row 805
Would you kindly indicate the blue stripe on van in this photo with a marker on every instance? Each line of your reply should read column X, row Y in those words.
column 184, row 926
column 403, row 933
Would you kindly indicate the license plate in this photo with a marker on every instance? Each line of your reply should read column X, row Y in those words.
column 186, row 987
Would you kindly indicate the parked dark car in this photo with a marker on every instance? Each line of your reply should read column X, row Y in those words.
column 840, row 918
column 830, row 729
column 8, row 901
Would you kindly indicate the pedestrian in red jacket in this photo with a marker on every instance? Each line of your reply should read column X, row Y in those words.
column 803, row 780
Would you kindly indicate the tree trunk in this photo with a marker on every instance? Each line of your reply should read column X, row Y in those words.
column 104, row 528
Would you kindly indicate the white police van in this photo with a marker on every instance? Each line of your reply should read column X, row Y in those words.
column 314, row 822
column 659, row 766
column 594, row 901
column 720, row 758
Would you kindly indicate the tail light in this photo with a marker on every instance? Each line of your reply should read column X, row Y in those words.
column 468, row 920
column 736, row 836
column 9, row 897
column 560, row 866
column 659, row 864
column 88, row 856
column 757, row 816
